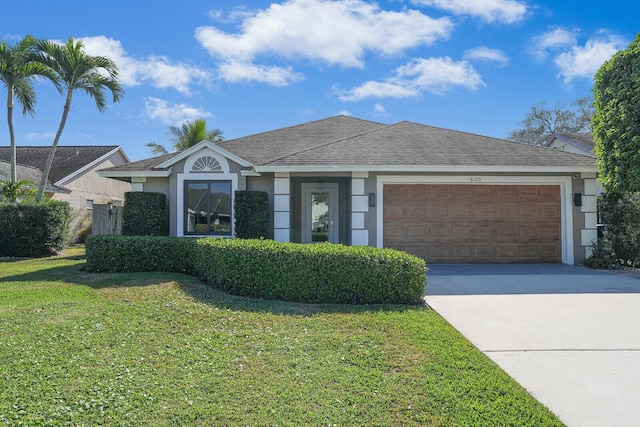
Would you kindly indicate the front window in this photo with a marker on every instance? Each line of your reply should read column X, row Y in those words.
column 208, row 207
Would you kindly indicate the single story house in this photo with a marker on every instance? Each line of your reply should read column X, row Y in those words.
column 443, row 195
column 73, row 176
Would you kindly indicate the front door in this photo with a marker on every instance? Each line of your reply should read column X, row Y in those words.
column 320, row 212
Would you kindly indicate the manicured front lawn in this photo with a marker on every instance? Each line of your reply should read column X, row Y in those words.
column 164, row 349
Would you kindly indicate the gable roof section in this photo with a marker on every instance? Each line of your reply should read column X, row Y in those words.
column 350, row 144
column 582, row 140
column 69, row 160
column 412, row 146
column 202, row 144
column 256, row 149
column 268, row 147
column 32, row 174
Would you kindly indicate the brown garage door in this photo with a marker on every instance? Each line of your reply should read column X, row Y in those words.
column 474, row 223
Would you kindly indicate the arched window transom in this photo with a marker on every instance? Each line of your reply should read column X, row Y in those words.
column 206, row 164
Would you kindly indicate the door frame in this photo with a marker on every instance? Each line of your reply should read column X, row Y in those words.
column 307, row 189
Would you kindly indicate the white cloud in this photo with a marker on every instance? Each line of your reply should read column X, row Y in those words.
column 35, row 136
column 158, row 71
column 584, row 61
column 486, row 54
column 505, row 11
column 435, row 75
column 276, row 76
column 172, row 115
column 379, row 110
column 315, row 30
column 554, row 39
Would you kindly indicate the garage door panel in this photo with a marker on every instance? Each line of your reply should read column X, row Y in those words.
column 465, row 192
column 439, row 192
column 484, row 192
column 484, row 211
column 436, row 212
column 462, row 212
column 474, row 223
column 394, row 212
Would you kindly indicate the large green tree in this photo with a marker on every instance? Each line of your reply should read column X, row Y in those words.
column 76, row 70
column 17, row 72
column 187, row 135
column 542, row 122
column 616, row 122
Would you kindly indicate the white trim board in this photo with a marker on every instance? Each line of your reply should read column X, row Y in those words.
column 566, row 200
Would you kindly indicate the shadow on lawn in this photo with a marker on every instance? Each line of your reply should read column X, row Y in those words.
column 193, row 287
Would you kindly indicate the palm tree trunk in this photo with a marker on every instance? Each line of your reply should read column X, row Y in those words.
column 12, row 138
column 52, row 151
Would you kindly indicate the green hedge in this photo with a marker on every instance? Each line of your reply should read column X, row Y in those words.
column 109, row 252
column 620, row 214
column 251, row 210
column 34, row 229
column 145, row 214
column 323, row 273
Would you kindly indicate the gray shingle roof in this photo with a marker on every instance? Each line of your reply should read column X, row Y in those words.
column 412, row 144
column 267, row 147
column 32, row 174
column 143, row 165
column 347, row 141
column 68, row 158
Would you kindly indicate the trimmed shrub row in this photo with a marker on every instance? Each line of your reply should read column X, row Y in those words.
column 145, row 214
column 251, row 211
column 34, row 229
column 323, row 273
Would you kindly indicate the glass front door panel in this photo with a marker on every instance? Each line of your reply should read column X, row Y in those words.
column 320, row 219
column 319, row 213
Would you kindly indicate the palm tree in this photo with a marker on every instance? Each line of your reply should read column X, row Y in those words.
column 75, row 70
column 16, row 191
column 187, row 135
column 17, row 71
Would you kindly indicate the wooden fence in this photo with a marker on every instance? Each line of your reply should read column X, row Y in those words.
column 107, row 219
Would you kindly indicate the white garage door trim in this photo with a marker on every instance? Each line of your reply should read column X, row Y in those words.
column 566, row 218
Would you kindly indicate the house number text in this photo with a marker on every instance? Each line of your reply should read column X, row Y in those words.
column 475, row 179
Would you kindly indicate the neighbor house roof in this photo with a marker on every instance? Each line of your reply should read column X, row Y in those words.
column 32, row 174
column 582, row 140
column 68, row 161
column 348, row 143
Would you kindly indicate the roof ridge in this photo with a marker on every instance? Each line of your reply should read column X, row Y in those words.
column 295, row 126
column 326, row 144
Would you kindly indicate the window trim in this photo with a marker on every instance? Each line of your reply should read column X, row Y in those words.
column 210, row 232
column 180, row 199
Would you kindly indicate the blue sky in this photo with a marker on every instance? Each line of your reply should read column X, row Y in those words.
column 253, row 66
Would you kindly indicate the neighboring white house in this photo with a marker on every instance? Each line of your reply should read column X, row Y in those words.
column 73, row 176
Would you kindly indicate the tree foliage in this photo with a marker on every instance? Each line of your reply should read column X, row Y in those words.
column 17, row 191
column 616, row 122
column 75, row 70
column 542, row 122
column 17, row 72
column 187, row 135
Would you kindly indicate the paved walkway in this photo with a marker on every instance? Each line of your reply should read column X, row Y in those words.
column 570, row 335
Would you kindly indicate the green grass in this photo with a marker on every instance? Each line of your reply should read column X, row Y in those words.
column 163, row 349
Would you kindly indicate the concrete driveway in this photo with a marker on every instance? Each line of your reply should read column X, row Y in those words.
column 570, row 335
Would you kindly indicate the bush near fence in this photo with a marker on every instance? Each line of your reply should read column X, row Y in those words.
column 323, row 273
column 34, row 229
